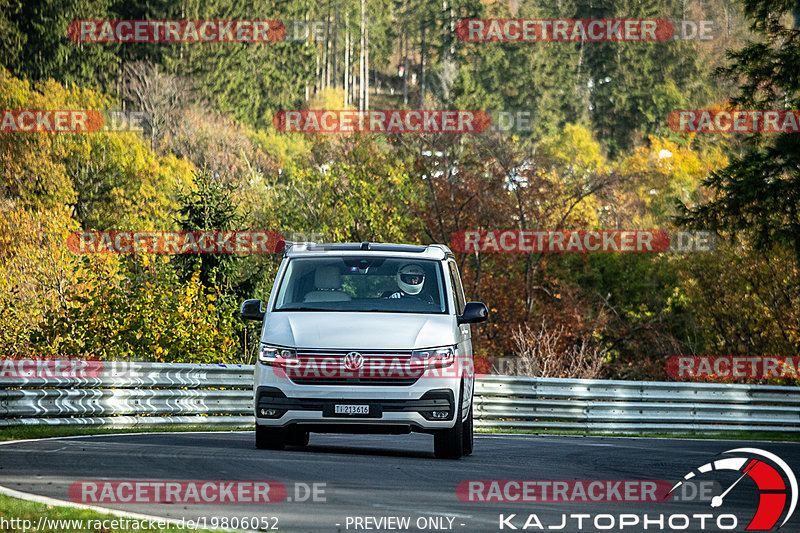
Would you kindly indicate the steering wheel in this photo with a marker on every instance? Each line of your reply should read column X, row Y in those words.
column 427, row 298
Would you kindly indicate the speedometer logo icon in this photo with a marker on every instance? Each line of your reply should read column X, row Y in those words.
column 777, row 484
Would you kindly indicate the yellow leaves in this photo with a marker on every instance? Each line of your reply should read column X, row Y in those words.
column 14, row 93
column 43, row 170
column 574, row 148
column 41, row 278
column 661, row 170
column 327, row 99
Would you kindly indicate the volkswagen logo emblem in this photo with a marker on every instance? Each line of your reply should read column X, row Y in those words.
column 353, row 361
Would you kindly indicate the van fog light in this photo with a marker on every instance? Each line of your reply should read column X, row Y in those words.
column 270, row 413
column 440, row 415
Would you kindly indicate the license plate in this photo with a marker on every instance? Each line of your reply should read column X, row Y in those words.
column 351, row 409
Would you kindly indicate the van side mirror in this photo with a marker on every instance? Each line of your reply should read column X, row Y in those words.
column 251, row 310
column 474, row 312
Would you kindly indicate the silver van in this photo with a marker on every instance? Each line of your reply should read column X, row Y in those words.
column 365, row 338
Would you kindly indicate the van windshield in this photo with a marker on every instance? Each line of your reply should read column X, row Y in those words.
column 362, row 283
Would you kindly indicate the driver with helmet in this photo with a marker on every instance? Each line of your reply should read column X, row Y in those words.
column 410, row 279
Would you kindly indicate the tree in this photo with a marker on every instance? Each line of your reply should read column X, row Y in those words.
column 545, row 79
column 38, row 274
column 111, row 179
column 249, row 81
column 495, row 182
column 208, row 205
column 365, row 195
column 40, row 47
column 158, row 95
column 656, row 175
column 150, row 313
column 634, row 86
column 744, row 301
column 758, row 193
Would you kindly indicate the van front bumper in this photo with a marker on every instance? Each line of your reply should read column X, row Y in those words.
column 273, row 408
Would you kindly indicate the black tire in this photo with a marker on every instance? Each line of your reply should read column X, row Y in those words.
column 268, row 438
column 468, row 445
column 296, row 438
column 449, row 443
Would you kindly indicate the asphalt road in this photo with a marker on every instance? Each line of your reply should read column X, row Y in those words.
column 373, row 476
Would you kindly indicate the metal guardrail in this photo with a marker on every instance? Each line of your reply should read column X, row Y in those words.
column 153, row 394
column 132, row 394
column 633, row 406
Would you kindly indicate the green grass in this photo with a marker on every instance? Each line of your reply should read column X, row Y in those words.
column 39, row 432
column 14, row 512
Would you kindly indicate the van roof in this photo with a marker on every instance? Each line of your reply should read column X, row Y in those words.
column 431, row 251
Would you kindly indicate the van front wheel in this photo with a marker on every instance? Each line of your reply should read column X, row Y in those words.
column 449, row 443
column 268, row 438
column 468, row 438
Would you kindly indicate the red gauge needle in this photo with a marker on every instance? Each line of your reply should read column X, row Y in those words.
column 716, row 501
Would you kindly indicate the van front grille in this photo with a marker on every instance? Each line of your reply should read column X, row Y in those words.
column 379, row 368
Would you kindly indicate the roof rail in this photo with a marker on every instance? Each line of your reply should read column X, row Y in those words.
column 287, row 245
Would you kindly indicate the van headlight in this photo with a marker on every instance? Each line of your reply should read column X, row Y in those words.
column 434, row 357
column 269, row 354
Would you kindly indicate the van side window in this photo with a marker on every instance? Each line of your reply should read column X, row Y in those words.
column 458, row 291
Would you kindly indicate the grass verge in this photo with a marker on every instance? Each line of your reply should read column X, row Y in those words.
column 39, row 432
column 22, row 515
